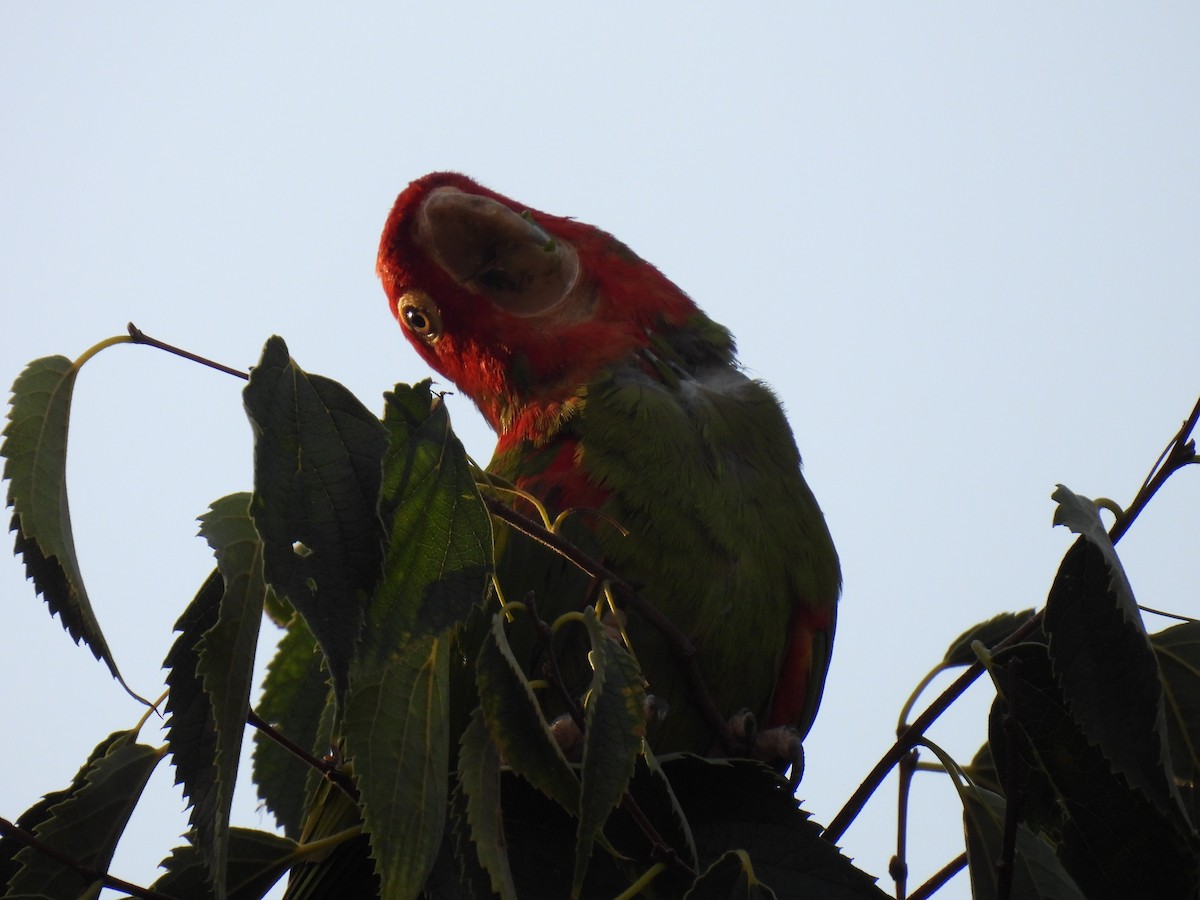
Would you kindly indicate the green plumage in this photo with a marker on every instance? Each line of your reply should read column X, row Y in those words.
column 724, row 536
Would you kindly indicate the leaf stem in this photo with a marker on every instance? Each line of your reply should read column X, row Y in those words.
column 96, row 348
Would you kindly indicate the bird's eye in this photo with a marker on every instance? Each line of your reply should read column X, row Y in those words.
column 420, row 316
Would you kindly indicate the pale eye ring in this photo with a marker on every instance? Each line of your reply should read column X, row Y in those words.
column 420, row 315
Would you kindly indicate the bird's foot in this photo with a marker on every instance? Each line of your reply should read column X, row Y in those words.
column 779, row 747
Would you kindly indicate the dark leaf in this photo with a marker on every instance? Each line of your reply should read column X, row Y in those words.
column 1178, row 652
column 1037, row 873
column 515, row 722
column 318, row 457
column 1115, row 842
column 744, row 805
column 87, row 820
column 989, row 633
column 1103, row 661
column 438, row 563
column 479, row 784
column 436, row 571
column 256, row 861
column 192, row 734
column 614, row 729
column 295, row 698
column 399, row 743
column 343, row 868
column 226, row 660
column 35, row 464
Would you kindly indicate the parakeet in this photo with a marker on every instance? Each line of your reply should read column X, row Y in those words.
column 614, row 396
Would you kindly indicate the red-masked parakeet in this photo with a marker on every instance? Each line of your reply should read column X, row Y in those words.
column 611, row 391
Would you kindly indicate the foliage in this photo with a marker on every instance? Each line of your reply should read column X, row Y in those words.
column 369, row 543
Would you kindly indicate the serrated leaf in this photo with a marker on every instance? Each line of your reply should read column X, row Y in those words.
column 1079, row 514
column 88, row 820
column 438, row 563
column 1037, row 872
column 1114, row 841
column 396, row 732
column 341, row 867
column 479, row 783
column 989, row 633
column 744, row 805
column 35, row 465
column 191, row 726
column 295, row 698
column 656, row 780
column 256, row 860
column 226, row 661
column 1178, row 652
column 317, row 472
column 614, row 731
column 435, row 573
column 731, row 877
column 515, row 722
column 1107, row 670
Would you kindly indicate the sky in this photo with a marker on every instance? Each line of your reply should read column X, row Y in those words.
column 959, row 240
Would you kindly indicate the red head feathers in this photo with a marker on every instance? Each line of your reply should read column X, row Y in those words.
column 517, row 307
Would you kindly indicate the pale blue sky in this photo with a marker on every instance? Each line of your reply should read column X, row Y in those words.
column 960, row 241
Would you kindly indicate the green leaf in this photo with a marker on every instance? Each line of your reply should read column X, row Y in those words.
column 1107, row 669
column 398, row 740
column 614, row 731
column 192, row 734
column 1114, row 841
column 87, row 819
column 294, row 701
column 515, row 722
column 35, row 464
column 436, row 571
column 438, row 564
column 226, row 659
column 336, row 861
column 479, row 782
column 731, row 877
column 1178, row 652
column 989, row 633
column 317, row 471
column 1037, row 872
column 256, row 859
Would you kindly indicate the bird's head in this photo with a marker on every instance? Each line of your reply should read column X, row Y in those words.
column 517, row 307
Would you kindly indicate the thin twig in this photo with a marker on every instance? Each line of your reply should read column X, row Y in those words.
column 327, row 768
column 898, row 868
column 913, row 733
column 88, row 874
column 939, row 878
column 140, row 337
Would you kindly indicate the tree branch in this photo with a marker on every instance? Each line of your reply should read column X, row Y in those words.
column 1180, row 452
